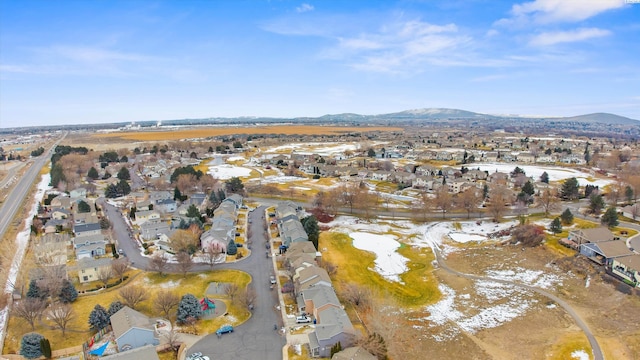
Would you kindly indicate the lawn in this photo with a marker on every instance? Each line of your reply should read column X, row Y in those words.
column 420, row 286
column 568, row 344
column 78, row 329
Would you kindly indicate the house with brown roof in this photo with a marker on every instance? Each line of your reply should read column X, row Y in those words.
column 595, row 235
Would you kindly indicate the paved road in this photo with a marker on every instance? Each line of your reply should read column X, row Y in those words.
column 595, row 347
column 15, row 198
column 255, row 339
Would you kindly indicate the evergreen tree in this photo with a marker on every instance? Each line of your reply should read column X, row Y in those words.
column 589, row 189
column 544, row 177
column 528, row 188
column 83, row 207
column 123, row 188
column 114, row 307
column 189, row 307
column 193, row 212
column 68, row 292
column 556, row 226
column 596, row 204
column 610, row 217
column 98, row 318
column 232, row 248
column 57, row 175
column 628, row 193
column 93, row 174
column 371, row 153
column 485, row 191
column 132, row 212
column 234, row 185
column 45, row 347
column 30, row 346
column 123, row 174
column 177, row 195
column 516, row 172
column 566, row 217
column 570, row 189
column 35, row 292
column 310, row 225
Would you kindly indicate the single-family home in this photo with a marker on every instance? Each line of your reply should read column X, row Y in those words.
column 87, row 229
column 132, row 329
column 353, row 353
column 604, row 252
column 166, row 206
column 146, row 215
column 147, row 352
column 89, row 246
column 595, row 235
column 334, row 328
column 90, row 269
column 153, row 229
column 627, row 267
column 306, row 277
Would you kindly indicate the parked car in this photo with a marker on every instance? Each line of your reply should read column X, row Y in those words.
column 303, row 319
column 272, row 279
column 224, row 329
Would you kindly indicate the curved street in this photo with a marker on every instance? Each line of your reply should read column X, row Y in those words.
column 595, row 347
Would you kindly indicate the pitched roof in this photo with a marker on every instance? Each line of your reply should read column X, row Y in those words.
column 631, row 262
column 127, row 318
column 353, row 353
column 147, row 352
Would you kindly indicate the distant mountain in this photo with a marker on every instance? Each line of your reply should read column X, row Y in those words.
column 436, row 113
column 602, row 118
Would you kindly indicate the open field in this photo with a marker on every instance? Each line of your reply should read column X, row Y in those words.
column 465, row 318
column 204, row 132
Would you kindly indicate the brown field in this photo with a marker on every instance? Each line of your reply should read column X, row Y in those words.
column 193, row 133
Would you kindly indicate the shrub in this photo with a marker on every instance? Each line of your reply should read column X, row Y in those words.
column 30, row 345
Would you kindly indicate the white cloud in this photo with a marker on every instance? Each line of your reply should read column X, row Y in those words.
column 549, row 11
column 304, row 8
column 557, row 37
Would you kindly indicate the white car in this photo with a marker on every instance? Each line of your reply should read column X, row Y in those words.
column 303, row 319
column 272, row 279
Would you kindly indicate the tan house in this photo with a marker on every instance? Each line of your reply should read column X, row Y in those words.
column 89, row 269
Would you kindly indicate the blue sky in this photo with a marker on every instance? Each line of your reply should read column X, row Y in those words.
column 70, row 62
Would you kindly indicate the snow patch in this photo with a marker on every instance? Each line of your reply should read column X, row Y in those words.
column 388, row 262
column 580, row 355
column 225, row 172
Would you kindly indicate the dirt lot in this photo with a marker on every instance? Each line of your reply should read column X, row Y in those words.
column 544, row 330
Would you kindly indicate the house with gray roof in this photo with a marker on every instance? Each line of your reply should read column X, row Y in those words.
column 147, row 352
column 353, row 353
column 87, row 229
column 89, row 246
column 333, row 326
column 133, row 330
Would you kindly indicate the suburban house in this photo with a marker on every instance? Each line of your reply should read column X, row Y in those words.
column 153, row 229
column 89, row 246
column 582, row 236
column 60, row 214
column 223, row 226
column 291, row 231
column 631, row 211
column 317, row 298
column 147, row 352
column 52, row 225
column 87, row 229
column 61, row 201
column 78, row 193
column 309, row 276
column 133, row 329
column 353, row 353
column 333, row 326
column 146, row 215
column 89, row 269
column 166, row 205
column 627, row 267
column 604, row 252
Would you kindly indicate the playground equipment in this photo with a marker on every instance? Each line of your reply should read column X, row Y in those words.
column 208, row 305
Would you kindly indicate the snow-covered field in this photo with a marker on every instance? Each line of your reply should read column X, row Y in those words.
column 226, row 171
column 323, row 149
column 388, row 262
column 454, row 313
column 555, row 173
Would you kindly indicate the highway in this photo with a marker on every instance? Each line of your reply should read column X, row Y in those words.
column 15, row 198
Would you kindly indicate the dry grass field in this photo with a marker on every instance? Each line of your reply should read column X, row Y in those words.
column 205, row 132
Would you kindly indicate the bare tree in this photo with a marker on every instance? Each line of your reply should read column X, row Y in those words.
column 184, row 240
column 53, row 279
column 172, row 338
column 29, row 309
column 61, row 314
column 374, row 344
column 185, row 262
column 104, row 274
column 549, row 201
column 499, row 197
column 186, row 183
column 119, row 267
column 424, row 204
column 132, row 296
column 357, row 295
column 166, row 302
column 468, row 200
column 443, row 200
column 231, row 290
column 212, row 254
column 247, row 296
column 158, row 263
